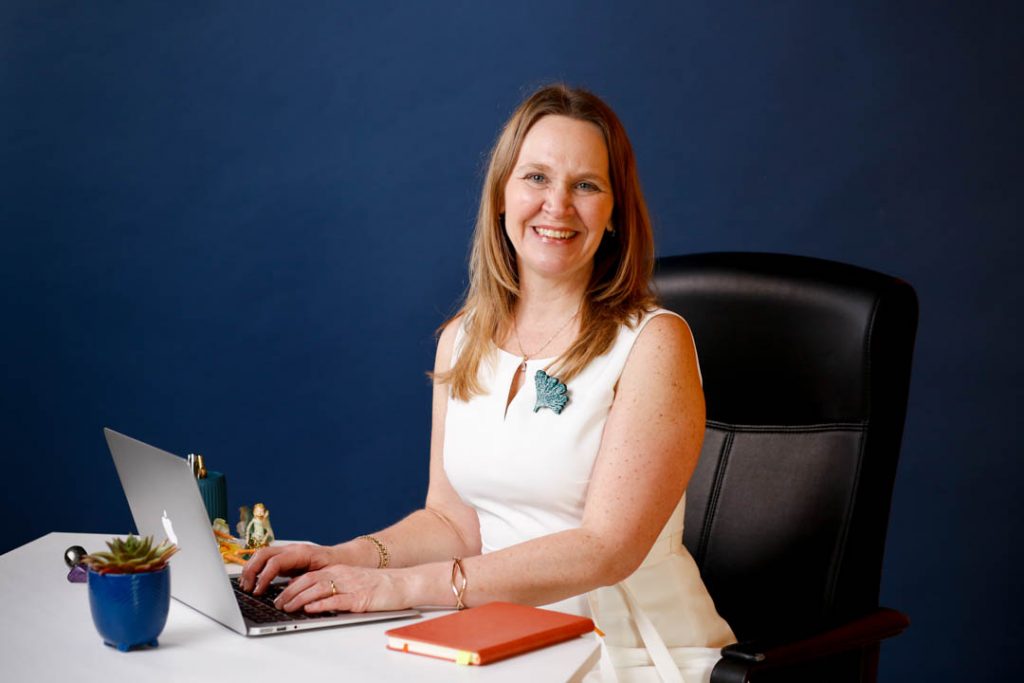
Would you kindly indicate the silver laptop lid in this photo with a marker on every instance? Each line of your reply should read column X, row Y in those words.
column 165, row 502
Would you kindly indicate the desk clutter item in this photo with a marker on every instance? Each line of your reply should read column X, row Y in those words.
column 214, row 490
column 74, row 558
column 130, row 590
column 244, row 516
column 74, row 555
column 213, row 486
column 485, row 634
column 130, row 610
column 258, row 533
column 232, row 550
column 254, row 532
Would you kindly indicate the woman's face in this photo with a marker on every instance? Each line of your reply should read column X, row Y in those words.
column 558, row 200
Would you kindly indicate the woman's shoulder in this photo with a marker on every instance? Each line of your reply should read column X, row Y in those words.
column 663, row 338
column 666, row 326
column 660, row 324
column 451, row 333
column 451, row 329
column 650, row 338
column 646, row 316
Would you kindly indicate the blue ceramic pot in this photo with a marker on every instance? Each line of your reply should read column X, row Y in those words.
column 130, row 610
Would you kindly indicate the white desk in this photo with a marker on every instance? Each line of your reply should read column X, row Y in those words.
column 46, row 634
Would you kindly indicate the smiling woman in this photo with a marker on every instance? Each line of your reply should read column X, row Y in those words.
column 569, row 492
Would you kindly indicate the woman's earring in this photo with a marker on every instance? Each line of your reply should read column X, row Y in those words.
column 611, row 230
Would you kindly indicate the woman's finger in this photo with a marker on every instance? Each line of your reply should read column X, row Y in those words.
column 305, row 590
column 286, row 561
column 342, row 602
column 255, row 565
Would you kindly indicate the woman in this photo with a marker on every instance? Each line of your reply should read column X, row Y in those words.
column 568, row 416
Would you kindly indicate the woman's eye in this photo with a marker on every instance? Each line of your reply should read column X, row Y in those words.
column 587, row 186
column 536, row 177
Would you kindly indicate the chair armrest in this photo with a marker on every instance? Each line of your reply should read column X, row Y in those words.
column 853, row 635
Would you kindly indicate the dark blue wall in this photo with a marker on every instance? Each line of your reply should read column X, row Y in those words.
column 233, row 228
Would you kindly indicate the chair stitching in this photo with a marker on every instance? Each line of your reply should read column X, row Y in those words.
column 866, row 369
column 712, row 506
column 840, row 550
column 844, row 533
column 790, row 429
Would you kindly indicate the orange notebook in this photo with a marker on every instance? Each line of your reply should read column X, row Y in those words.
column 485, row 634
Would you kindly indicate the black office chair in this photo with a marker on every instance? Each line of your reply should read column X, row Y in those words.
column 806, row 368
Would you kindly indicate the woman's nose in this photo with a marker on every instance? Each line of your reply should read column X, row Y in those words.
column 558, row 201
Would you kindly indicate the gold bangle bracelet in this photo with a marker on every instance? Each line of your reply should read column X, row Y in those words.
column 383, row 556
column 459, row 591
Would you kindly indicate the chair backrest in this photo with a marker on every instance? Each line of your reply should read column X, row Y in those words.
column 806, row 367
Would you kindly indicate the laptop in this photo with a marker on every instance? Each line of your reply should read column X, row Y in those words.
column 165, row 502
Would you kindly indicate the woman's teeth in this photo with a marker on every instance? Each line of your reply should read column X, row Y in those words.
column 555, row 234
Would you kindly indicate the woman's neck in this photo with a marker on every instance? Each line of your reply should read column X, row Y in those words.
column 543, row 300
column 545, row 319
column 541, row 305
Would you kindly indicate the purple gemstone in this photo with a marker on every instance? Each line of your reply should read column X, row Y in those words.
column 78, row 574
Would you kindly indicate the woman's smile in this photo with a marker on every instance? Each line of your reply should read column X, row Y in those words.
column 554, row 234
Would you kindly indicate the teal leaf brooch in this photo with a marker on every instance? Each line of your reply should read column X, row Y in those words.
column 550, row 393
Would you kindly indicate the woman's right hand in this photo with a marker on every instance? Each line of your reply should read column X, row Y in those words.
column 290, row 559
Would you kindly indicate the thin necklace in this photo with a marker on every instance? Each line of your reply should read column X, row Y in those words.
column 526, row 356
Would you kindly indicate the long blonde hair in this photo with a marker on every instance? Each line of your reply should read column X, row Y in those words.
column 619, row 288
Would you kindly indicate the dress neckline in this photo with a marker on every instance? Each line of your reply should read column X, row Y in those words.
column 519, row 357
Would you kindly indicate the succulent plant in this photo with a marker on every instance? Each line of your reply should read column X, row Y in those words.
column 132, row 555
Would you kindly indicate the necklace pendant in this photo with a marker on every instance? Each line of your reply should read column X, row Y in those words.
column 522, row 366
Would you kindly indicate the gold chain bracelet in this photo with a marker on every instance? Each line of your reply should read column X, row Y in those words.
column 383, row 556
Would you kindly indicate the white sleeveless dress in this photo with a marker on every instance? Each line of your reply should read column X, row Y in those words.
column 526, row 474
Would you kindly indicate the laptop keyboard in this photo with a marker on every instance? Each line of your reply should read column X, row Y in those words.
column 260, row 608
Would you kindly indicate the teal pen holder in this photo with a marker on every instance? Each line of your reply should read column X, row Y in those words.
column 214, row 489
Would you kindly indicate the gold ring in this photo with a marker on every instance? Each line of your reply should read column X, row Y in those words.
column 334, row 589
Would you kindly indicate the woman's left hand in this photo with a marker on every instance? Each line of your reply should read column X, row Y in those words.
column 344, row 588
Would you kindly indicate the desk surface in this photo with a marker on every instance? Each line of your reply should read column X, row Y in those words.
column 46, row 633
